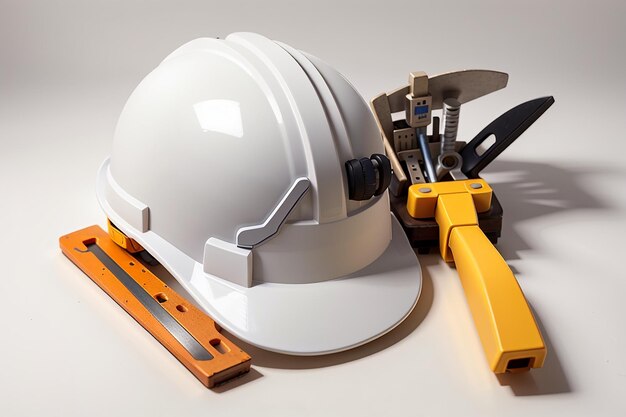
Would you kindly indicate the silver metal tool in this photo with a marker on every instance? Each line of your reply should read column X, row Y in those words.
column 449, row 160
column 173, row 327
column 451, row 113
column 250, row 236
column 431, row 172
column 412, row 160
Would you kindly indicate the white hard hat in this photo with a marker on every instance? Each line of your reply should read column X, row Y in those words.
column 228, row 166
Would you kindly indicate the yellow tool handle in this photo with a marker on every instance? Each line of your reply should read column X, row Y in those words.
column 510, row 337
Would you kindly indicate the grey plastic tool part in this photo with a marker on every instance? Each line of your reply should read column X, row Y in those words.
column 465, row 86
column 250, row 236
column 412, row 158
column 457, row 174
column 171, row 325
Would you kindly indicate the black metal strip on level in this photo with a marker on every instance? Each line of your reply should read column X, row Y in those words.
column 173, row 327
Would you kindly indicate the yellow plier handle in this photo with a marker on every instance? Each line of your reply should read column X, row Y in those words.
column 509, row 334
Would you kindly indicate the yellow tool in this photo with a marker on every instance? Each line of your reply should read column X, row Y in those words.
column 122, row 240
column 510, row 337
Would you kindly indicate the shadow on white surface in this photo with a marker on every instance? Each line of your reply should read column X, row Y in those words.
column 246, row 378
column 550, row 379
column 529, row 190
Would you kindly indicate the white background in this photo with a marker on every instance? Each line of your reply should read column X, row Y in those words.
column 66, row 69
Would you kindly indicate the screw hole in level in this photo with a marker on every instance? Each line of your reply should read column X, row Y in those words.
column 161, row 297
column 181, row 308
column 219, row 346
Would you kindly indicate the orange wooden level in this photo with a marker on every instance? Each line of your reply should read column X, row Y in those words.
column 225, row 360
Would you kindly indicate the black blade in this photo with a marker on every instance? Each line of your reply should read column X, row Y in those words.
column 506, row 129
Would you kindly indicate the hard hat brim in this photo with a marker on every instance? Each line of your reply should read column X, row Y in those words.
column 297, row 319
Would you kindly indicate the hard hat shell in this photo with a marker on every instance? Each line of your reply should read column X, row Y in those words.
column 209, row 144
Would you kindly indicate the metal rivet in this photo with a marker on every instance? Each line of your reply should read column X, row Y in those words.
column 425, row 190
column 476, row 185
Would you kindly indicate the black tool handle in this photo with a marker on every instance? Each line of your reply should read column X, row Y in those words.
column 506, row 128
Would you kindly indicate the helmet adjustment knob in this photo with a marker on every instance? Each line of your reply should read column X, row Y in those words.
column 368, row 177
